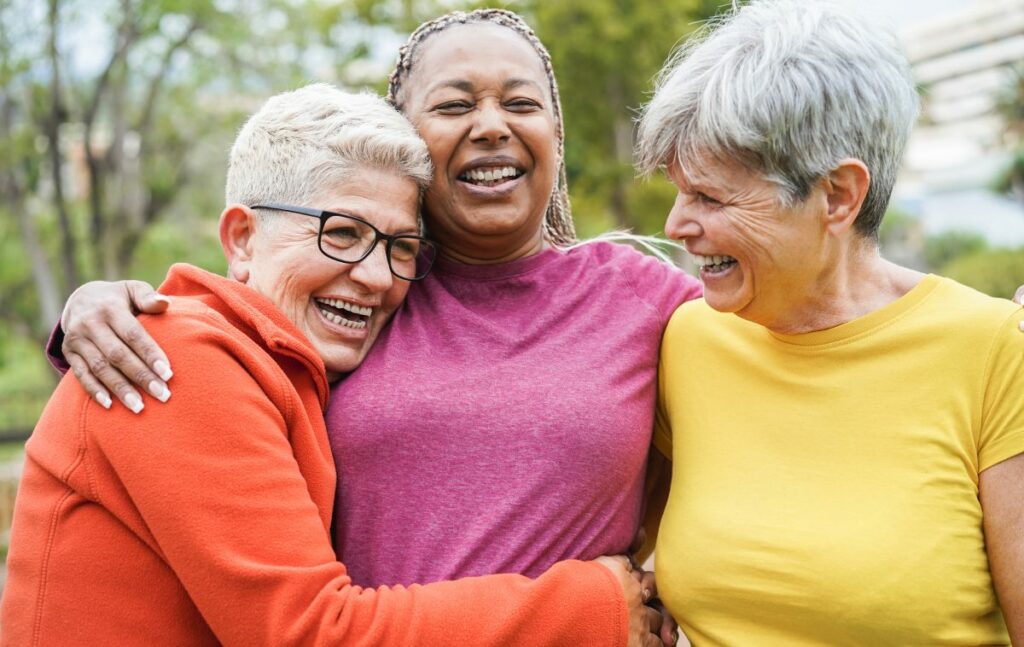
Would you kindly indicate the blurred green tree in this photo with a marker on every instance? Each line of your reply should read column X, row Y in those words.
column 995, row 272
column 606, row 54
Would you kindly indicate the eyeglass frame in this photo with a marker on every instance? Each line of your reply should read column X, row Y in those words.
column 323, row 216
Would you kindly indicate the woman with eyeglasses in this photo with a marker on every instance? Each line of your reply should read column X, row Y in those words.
column 503, row 420
column 207, row 520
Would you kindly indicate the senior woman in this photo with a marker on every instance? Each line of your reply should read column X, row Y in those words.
column 503, row 420
column 846, row 434
column 207, row 520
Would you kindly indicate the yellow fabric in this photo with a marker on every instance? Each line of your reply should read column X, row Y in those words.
column 825, row 486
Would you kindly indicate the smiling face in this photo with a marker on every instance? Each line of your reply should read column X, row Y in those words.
column 756, row 258
column 340, row 307
column 479, row 97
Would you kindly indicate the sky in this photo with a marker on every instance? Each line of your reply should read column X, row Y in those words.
column 908, row 12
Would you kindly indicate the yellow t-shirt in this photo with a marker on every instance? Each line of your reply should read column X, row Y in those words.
column 825, row 485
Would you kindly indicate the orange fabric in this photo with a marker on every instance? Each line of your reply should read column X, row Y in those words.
column 206, row 520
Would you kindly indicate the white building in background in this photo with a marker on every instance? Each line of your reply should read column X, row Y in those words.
column 962, row 60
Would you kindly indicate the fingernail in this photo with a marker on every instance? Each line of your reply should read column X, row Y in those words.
column 159, row 391
column 163, row 370
column 103, row 399
column 159, row 297
column 133, row 402
column 647, row 595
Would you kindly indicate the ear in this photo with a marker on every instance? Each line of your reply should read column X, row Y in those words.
column 846, row 186
column 237, row 234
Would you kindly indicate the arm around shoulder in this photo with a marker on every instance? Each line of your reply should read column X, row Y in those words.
column 215, row 482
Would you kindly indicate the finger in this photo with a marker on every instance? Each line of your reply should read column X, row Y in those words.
column 653, row 620
column 109, row 342
column 668, row 628
column 143, row 362
column 648, row 586
column 109, row 376
column 144, row 298
column 87, row 380
column 1019, row 296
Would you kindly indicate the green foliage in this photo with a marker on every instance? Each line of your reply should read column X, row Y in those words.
column 605, row 54
column 994, row 272
column 941, row 250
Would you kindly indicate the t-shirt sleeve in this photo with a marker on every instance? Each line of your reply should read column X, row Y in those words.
column 1002, row 424
column 662, row 285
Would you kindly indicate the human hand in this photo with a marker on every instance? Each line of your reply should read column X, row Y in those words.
column 107, row 347
column 643, row 620
column 1019, row 296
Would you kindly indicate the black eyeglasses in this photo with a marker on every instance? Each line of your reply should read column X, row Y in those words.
column 350, row 239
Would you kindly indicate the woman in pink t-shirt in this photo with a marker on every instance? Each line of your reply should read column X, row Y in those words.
column 503, row 421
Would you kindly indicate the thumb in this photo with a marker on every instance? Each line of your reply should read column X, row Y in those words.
column 145, row 298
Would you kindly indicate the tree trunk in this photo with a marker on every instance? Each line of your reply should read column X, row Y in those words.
column 52, row 128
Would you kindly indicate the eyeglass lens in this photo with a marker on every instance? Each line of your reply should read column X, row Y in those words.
column 348, row 240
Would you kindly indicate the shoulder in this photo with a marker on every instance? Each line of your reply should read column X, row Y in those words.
column 657, row 282
column 974, row 314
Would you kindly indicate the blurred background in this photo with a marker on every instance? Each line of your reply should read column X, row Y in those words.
column 116, row 117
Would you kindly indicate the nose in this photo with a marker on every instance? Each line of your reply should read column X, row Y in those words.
column 682, row 222
column 490, row 125
column 373, row 272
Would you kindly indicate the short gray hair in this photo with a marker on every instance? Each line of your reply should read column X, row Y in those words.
column 787, row 88
column 303, row 141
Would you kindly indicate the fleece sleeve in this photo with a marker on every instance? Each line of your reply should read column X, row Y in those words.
column 220, row 497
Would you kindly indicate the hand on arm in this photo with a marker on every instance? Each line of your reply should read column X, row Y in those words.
column 645, row 622
column 219, row 493
column 107, row 348
column 1002, row 500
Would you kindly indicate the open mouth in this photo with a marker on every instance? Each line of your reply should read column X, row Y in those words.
column 491, row 175
column 344, row 313
column 714, row 264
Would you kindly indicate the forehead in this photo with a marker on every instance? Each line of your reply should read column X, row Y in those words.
column 479, row 52
column 385, row 199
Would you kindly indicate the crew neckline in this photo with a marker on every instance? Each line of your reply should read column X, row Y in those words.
column 519, row 266
column 867, row 323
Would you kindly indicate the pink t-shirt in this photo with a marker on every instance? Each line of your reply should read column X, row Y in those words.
column 502, row 421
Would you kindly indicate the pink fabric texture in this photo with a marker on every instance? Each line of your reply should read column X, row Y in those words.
column 503, row 419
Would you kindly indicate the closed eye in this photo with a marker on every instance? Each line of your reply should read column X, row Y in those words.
column 453, row 107
column 523, row 105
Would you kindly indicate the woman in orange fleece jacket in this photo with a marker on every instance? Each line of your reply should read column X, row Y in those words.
column 208, row 521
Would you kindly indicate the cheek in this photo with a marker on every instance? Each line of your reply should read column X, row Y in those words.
column 395, row 296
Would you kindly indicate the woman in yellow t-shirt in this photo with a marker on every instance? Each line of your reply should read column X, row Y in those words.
column 847, row 435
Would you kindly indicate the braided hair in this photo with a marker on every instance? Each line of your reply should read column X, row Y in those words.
column 558, row 225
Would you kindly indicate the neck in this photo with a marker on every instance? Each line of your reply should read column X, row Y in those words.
column 856, row 283
column 484, row 254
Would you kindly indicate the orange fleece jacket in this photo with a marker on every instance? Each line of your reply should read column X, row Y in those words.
column 206, row 519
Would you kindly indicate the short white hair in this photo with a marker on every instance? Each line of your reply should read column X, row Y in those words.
column 787, row 88
column 301, row 142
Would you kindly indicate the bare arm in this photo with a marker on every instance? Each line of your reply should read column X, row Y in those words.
column 1002, row 500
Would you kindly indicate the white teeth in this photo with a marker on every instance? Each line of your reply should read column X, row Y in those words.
column 345, row 305
column 705, row 261
column 341, row 321
column 490, row 174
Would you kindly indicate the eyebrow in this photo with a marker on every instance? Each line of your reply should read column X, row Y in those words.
column 465, row 85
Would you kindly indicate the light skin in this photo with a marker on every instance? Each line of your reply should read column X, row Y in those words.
column 806, row 268
column 797, row 269
column 475, row 116
column 481, row 118
column 283, row 263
